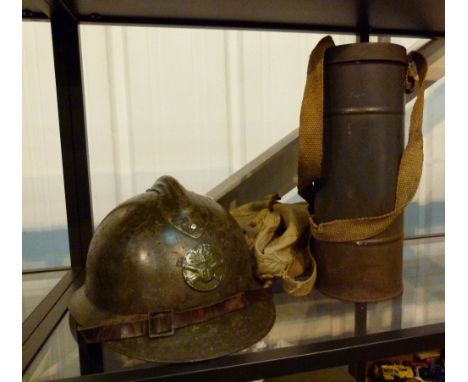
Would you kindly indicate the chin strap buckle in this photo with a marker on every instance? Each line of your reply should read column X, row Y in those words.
column 160, row 324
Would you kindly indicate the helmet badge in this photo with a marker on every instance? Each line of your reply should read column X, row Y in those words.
column 203, row 267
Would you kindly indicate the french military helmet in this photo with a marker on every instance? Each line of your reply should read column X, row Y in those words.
column 169, row 278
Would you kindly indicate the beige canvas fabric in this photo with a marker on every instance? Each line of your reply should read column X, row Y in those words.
column 279, row 236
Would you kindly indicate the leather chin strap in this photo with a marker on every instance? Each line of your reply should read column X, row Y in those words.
column 161, row 324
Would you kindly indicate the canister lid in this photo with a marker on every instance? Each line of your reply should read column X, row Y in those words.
column 366, row 51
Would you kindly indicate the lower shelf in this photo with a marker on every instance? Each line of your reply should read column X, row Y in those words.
column 310, row 333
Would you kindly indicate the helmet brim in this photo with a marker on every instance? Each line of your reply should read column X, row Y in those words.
column 220, row 336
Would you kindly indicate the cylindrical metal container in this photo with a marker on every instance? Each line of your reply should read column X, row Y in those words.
column 363, row 136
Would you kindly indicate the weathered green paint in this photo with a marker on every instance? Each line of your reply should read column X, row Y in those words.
column 144, row 257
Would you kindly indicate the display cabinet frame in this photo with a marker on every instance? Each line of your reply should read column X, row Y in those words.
column 365, row 17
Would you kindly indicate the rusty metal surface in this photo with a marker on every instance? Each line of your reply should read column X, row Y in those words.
column 138, row 262
column 365, row 271
column 364, row 88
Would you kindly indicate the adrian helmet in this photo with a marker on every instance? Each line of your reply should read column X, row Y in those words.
column 169, row 278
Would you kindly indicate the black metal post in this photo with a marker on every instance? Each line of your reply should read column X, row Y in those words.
column 66, row 50
column 363, row 22
column 360, row 319
column 397, row 312
column 358, row 370
column 72, row 135
column 91, row 357
column 67, row 59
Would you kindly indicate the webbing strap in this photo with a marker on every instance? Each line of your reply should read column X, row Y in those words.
column 310, row 153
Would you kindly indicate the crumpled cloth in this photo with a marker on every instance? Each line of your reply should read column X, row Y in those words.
column 279, row 235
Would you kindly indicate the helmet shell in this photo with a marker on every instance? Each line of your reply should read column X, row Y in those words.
column 170, row 249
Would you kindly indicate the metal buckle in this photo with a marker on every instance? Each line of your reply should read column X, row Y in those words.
column 160, row 324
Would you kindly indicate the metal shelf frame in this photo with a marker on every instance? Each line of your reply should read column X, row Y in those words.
column 296, row 359
column 423, row 18
column 65, row 17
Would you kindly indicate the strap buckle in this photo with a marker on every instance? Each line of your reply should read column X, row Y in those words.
column 160, row 324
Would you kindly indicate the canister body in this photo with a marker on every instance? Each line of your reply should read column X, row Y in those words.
column 363, row 140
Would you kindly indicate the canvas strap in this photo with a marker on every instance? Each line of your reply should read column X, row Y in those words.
column 279, row 236
column 160, row 324
column 310, row 153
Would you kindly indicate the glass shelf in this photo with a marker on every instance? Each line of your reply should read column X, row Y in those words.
column 299, row 321
column 36, row 286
